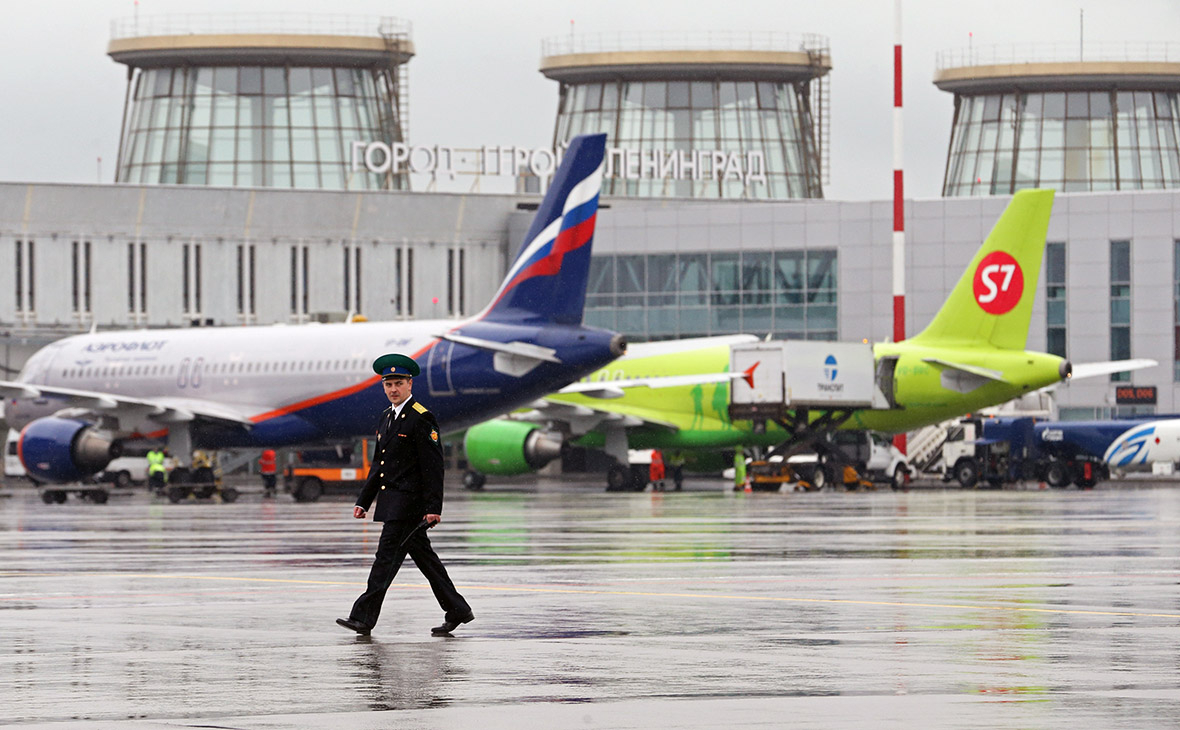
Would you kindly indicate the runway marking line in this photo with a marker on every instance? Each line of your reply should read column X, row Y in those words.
column 646, row 594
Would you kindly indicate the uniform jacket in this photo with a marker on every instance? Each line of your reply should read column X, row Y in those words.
column 406, row 476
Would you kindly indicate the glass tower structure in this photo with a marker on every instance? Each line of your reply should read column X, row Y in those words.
column 699, row 116
column 1022, row 120
column 228, row 105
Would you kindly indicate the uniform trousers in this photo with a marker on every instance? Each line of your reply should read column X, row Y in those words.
column 390, row 555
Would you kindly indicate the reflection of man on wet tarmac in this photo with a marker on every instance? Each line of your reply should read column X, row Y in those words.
column 406, row 479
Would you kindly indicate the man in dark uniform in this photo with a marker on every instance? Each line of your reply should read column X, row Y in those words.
column 406, row 479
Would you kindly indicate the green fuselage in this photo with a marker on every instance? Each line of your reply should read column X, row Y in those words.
column 696, row 417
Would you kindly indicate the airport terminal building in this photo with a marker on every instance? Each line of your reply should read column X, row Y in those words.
column 240, row 200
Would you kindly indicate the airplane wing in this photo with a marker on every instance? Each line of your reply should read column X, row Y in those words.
column 1092, row 369
column 162, row 410
column 615, row 388
column 581, row 419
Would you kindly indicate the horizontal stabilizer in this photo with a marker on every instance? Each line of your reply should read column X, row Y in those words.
column 526, row 350
column 985, row 373
column 963, row 378
column 1093, row 369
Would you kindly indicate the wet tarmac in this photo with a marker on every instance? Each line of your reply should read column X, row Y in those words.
column 700, row 609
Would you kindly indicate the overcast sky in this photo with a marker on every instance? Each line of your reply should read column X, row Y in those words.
column 474, row 80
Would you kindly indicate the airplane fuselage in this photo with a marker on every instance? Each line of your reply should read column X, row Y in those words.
column 300, row 383
column 697, row 416
column 927, row 394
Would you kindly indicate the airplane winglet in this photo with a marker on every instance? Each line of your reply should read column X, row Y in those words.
column 748, row 375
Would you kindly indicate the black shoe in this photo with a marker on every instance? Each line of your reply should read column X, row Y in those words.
column 450, row 625
column 353, row 624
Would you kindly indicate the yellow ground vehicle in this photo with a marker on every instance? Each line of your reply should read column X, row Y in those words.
column 342, row 470
column 202, row 480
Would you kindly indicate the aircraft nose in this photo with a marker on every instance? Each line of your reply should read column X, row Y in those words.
column 618, row 345
column 1065, row 370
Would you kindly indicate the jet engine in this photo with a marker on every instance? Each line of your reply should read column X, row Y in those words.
column 56, row 450
column 510, row 447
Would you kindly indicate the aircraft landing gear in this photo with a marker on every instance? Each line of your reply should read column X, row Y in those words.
column 59, row 496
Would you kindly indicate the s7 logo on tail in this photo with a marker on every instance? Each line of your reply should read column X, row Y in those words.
column 999, row 283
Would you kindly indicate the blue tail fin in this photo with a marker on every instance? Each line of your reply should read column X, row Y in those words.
column 547, row 281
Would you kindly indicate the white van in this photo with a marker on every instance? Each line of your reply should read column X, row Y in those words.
column 126, row 471
column 12, row 465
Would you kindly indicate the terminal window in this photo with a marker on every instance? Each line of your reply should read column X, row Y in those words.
column 790, row 294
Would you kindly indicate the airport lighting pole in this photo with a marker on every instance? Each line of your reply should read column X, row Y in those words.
column 898, row 200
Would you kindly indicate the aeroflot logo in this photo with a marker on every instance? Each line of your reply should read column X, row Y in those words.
column 999, row 283
column 143, row 346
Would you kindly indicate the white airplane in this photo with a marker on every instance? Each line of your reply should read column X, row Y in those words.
column 80, row 400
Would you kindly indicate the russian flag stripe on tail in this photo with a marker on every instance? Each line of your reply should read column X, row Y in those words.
column 547, row 280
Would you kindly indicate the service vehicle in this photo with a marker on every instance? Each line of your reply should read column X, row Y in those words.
column 339, row 470
column 12, row 466
column 202, row 479
column 125, row 472
column 1060, row 453
column 872, row 456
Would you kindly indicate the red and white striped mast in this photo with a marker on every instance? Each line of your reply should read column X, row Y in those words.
column 898, row 201
column 898, row 187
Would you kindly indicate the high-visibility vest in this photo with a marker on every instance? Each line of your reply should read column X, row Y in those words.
column 155, row 462
column 266, row 462
column 656, row 470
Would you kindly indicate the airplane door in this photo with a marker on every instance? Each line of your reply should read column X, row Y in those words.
column 438, row 368
column 886, row 379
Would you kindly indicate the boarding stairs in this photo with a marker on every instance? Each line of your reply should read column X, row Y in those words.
column 924, row 446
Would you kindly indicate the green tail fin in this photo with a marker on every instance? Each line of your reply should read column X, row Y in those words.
column 992, row 303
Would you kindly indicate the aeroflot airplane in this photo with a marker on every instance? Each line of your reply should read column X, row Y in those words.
column 80, row 400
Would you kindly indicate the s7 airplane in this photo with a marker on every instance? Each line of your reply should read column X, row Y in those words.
column 675, row 394
column 81, row 399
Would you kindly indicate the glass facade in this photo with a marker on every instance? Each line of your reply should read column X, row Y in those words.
column 768, row 117
column 1070, row 141
column 790, row 294
column 1055, row 320
column 264, row 126
column 1176, row 310
column 1120, row 305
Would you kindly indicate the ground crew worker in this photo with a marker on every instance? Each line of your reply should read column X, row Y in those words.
column 656, row 470
column 266, row 467
column 676, row 467
column 157, row 474
column 406, row 479
column 739, row 469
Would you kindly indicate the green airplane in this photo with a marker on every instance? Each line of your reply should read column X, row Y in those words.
column 675, row 395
